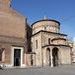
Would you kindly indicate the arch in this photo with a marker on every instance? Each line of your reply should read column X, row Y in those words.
column 48, row 58
column 55, row 56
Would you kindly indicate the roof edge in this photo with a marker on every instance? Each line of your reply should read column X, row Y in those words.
column 49, row 32
column 46, row 20
column 56, row 45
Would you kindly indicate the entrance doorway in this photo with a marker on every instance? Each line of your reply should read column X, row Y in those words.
column 55, row 56
column 17, row 57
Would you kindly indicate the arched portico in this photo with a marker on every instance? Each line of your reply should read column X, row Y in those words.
column 55, row 56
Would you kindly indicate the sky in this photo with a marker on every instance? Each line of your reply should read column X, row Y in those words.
column 60, row 10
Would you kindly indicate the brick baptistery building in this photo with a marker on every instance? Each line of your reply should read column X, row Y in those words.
column 42, row 44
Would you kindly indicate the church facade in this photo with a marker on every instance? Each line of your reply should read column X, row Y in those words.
column 40, row 44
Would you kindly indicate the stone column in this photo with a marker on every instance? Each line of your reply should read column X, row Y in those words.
column 51, row 58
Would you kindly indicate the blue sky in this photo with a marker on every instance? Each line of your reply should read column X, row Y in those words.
column 61, row 10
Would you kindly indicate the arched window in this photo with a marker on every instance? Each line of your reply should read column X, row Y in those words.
column 49, row 41
column 45, row 28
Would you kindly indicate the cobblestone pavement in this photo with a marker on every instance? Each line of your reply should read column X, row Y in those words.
column 61, row 70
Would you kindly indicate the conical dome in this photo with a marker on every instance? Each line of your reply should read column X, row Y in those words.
column 11, row 21
column 5, row 2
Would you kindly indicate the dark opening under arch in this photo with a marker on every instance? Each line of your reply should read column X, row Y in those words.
column 55, row 56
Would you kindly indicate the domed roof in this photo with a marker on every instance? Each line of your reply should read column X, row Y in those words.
column 46, row 25
column 46, row 20
column 11, row 22
column 5, row 2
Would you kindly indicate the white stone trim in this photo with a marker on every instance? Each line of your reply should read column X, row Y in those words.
column 12, row 56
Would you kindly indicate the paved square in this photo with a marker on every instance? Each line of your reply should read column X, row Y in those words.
column 61, row 70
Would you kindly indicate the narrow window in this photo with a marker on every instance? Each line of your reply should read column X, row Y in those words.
column 45, row 28
column 36, row 44
column 49, row 41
